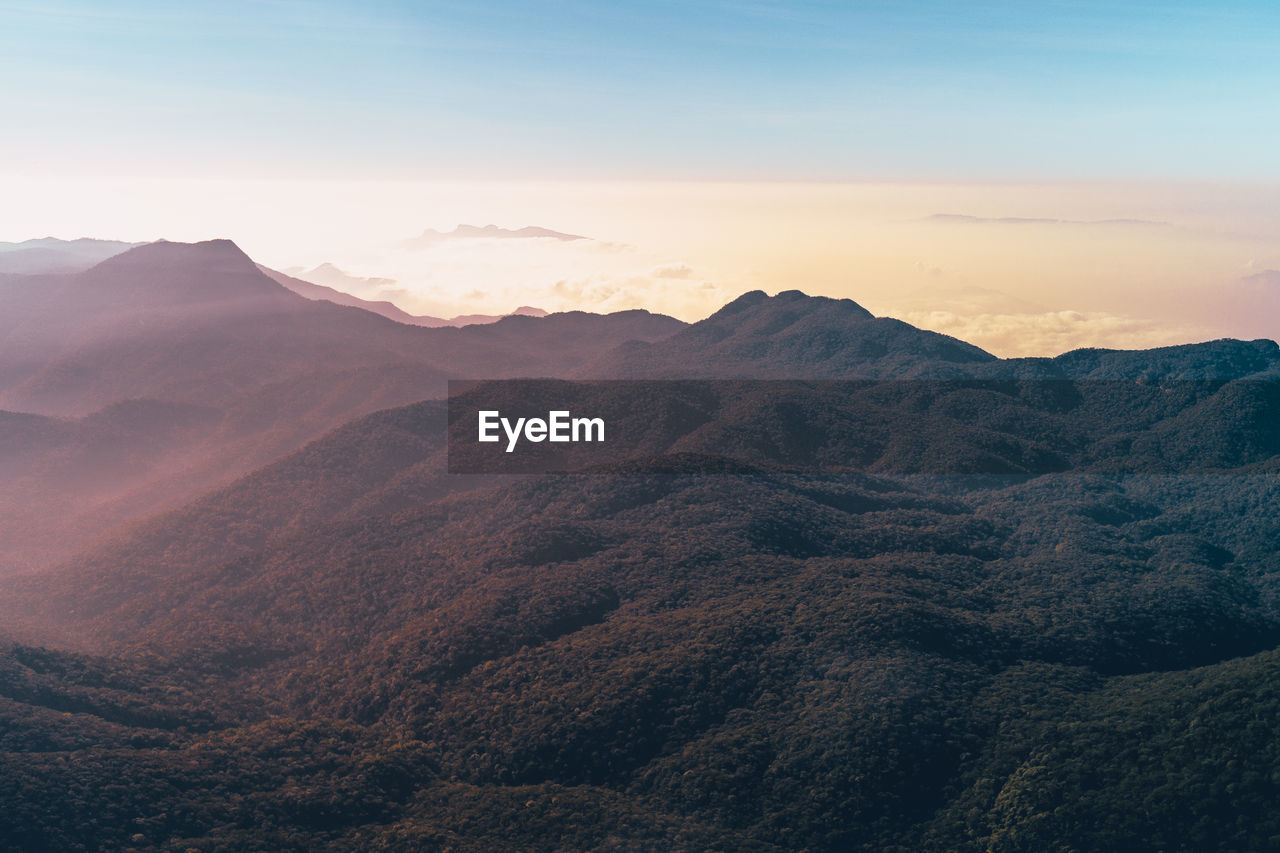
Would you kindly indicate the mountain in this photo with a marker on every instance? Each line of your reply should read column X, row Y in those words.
column 382, row 307
column 93, row 471
column 763, row 658
column 200, row 323
column 791, row 336
column 431, row 237
column 310, row 290
column 169, row 328
column 51, row 255
column 1220, row 360
column 61, row 479
column 328, row 275
column 796, row 336
column 194, row 323
column 396, row 459
column 471, row 319
column 876, row 590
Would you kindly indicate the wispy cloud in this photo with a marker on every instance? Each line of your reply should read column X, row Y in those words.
column 493, row 269
column 965, row 219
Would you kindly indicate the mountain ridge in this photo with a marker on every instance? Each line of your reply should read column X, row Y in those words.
column 54, row 255
column 313, row 290
column 431, row 236
column 200, row 325
column 792, row 335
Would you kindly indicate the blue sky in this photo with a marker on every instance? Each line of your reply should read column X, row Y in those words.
column 804, row 90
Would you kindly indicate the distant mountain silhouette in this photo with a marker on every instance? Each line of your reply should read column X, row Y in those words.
column 51, row 255
column 792, row 336
column 474, row 319
column 328, row 275
column 387, row 309
column 311, row 290
column 164, row 320
column 201, row 323
column 431, row 237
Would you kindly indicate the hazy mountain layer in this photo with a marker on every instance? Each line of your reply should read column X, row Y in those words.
column 51, row 255
column 167, row 330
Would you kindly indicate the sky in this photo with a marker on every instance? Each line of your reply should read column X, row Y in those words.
column 765, row 144
column 690, row 90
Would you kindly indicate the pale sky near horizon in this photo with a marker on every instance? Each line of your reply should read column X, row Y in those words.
column 707, row 148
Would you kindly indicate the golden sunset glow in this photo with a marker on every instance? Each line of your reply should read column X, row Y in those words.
column 1017, row 269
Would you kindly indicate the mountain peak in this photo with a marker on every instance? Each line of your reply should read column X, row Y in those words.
column 167, row 272
column 757, row 302
column 162, row 253
column 750, row 299
column 791, row 295
column 795, row 336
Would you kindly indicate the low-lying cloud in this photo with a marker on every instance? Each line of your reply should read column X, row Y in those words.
column 1052, row 332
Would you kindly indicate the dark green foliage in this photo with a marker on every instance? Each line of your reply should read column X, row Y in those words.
column 1005, row 615
column 731, row 661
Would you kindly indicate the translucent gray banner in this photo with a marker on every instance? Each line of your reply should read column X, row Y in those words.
column 909, row 427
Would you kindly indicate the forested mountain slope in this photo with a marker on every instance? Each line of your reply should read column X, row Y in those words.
column 172, row 368
column 984, row 605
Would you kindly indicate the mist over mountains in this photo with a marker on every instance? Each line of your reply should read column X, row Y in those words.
column 327, row 272
column 916, row 598
column 51, row 255
column 431, row 236
column 256, row 370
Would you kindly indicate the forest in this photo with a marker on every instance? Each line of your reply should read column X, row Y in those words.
column 895, row 595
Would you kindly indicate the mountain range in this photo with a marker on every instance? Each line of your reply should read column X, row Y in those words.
column 233, row 368
column 432, row 237
column 324, row 282
column 306, row 285
column 51, row 255
column 860, row 587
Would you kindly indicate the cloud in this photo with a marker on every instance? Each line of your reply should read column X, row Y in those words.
column 961, row 300
column 481, row 275
column 688, row 299
column 431, row 237
column 1247, row 308
column 331, row 276
column 392, row 294
column 677, row 270
column 1052, row 332
column 966, row 219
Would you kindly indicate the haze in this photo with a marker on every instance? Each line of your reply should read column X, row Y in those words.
column 1019, row 269
column 706, row 149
